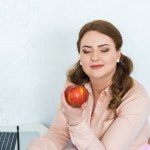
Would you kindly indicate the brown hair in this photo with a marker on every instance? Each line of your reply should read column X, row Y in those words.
column 121, row 81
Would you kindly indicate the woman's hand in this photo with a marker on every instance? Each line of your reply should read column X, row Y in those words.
column 73, row 115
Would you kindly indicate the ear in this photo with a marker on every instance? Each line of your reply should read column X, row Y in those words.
column 118, row 54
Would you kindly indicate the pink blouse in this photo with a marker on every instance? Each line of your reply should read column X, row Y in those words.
column 99, row 131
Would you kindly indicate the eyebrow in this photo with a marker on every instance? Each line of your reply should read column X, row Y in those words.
column 98, row 45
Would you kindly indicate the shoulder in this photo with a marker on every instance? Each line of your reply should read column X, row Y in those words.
column 135, row 100
column 136, row 91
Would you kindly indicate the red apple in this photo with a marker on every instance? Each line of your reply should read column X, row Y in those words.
column 76, row 95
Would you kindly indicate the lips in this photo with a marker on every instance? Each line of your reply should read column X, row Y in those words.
column 97, row 66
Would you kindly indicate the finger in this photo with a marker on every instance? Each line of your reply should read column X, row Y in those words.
column 84, row 105
column 64, row 102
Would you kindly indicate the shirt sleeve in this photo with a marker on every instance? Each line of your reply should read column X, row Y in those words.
column 125, row 128
column 84, row 138
column 42, row 144
column 132, row 117
column 56, row 137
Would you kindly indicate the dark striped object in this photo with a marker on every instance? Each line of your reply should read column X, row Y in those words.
column 8, row 140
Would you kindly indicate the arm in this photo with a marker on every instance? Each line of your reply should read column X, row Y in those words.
column 41, row 144
column 57, row 135
column 84, row 138
column 131, row 118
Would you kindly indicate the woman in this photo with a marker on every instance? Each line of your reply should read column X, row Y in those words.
column 115, row 117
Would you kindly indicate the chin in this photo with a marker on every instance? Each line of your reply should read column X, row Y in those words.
column 97, row 77
column 101, row 76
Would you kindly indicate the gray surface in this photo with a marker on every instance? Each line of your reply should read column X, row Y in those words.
column 26, row 138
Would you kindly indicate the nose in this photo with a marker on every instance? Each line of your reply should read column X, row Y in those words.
column 95, row 56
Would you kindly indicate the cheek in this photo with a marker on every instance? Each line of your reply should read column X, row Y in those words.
column 85, row 64
column 111, row 59
column 84, row 60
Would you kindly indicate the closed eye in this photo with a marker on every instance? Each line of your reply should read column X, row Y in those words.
column 86, row 51
column 104, row 50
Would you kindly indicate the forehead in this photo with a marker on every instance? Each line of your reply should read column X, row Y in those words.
column 95, row 37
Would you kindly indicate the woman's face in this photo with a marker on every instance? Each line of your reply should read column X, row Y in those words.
column 98, row 55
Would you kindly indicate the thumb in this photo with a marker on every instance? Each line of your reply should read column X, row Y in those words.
column 83, row 106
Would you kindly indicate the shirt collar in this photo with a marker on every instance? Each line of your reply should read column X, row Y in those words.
column 106, row 91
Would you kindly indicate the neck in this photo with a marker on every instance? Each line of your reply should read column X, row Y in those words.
column 98, row 85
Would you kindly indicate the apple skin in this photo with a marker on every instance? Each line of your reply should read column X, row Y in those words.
column 76, row 95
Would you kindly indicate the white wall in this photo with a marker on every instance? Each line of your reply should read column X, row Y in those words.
column 38, row 45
